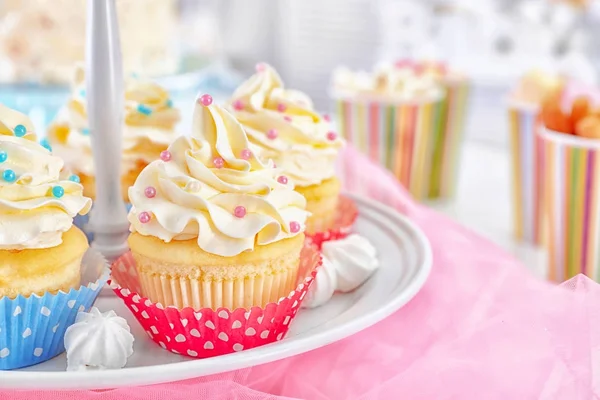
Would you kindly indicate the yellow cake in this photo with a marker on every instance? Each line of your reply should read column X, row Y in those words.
column 202, row 279
column 148, row 129
column 283, row 126
column 43, row 270
column 212, row 225
column 40, row 249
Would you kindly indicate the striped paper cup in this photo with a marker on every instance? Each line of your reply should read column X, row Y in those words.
column 527, row 162
column 410, row 139
column 572, row 204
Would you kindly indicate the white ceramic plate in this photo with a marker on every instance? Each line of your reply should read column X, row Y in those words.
column 405, row 256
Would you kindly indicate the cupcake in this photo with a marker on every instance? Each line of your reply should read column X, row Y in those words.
column 283, row 126
column 148, row 129
column 212, row 224
column 40, row 249
column 47, row 272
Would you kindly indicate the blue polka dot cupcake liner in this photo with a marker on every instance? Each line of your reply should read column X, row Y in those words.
column 32, row 329
column 81, row 221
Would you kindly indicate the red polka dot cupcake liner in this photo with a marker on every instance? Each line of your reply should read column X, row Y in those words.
column 347, row 212
column 206, row 332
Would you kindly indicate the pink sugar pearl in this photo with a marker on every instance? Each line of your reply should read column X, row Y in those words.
column 294, row 227
column 327, row 118
column 150, row 192
column 240, row 211
column 331, row 136
column 206, row 100
column 272, row 134
column 246, row 154
column 165, row 155
column 283, row 180
column 260, row 67
column 218, row 162
column 281, row 107
column 144, row 217
column 238, row 105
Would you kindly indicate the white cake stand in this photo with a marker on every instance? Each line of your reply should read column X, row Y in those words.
column 405, row 256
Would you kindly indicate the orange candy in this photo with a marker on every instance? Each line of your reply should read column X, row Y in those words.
column 589, row 127
column 581, row 121
column 553, row 116
column 579, row 110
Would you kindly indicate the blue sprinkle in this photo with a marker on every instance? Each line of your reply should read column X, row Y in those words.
column 58, row 191
column 82, row 92
column 3, row 156
column 75, row 178
column 9, row 175
column 134, row 75
column 169, row 103
column 85, row 131
column 20, row 130
column 142, row 109
column 46, row 144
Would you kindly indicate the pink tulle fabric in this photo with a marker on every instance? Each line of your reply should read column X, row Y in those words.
column 481, row 328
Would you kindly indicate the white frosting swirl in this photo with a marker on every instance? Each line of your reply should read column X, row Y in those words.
column 98, row 341
column 195, row 199
column 301, row 146
column 31, row 216
column 145, row 134
column 354, row 258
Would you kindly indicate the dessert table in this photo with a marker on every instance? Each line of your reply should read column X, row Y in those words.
column 482, row 327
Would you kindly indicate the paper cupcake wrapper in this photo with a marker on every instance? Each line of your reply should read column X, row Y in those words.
column 32, row 328
column 527, row 162
column 81, row 221
column 206, row 332
column 419, row 142
column 347, row 212
column 572, row 204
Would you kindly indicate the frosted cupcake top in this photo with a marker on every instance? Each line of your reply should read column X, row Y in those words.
column 36, row 205
column 283, row 126
column 211, row 187
column 149, row 125
column 402, row 81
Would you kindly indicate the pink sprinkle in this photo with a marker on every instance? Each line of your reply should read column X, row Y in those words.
column 283, row 180
column 327, row 118
column 260, row 67
column 240, row 211
column 165, row 155
column 274, row 165
column 150, row 192
column 331, row 136
column 287, row 118
column 246, row 154
column 238, row 105
column 272, row 134
column 144, row 217
column 281, row 107
column 218, row 162
column 294, row 227
column 206, row 100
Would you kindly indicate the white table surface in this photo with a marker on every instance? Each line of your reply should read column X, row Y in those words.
column 483, row 201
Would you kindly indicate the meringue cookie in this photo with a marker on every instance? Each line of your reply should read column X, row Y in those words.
column 354, row 258
column 98, row 341
column 323, row 287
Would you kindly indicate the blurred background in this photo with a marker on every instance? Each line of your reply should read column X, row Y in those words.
column 212, row 45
